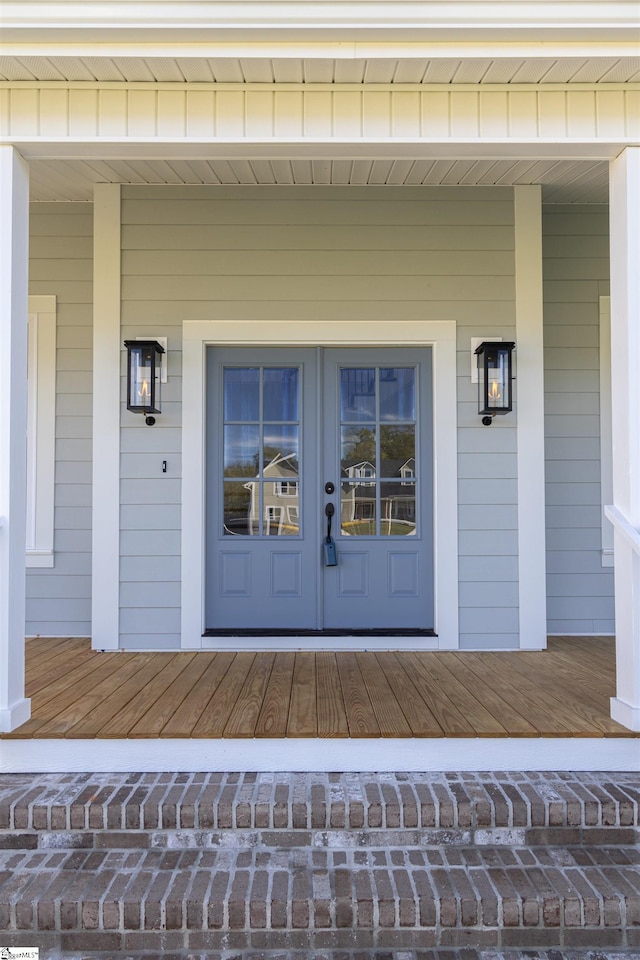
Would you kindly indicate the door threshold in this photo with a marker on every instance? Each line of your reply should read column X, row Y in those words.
column 278, row 632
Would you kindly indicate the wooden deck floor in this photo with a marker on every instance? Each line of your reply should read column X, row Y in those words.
column 80, row 694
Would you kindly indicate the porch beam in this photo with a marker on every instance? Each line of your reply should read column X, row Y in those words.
column 15, row 708
column 104, row 119
column 625, row 413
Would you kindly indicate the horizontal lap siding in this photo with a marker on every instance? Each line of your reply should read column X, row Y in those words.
column 576, row 274
column 316, row 254
column 60, row 264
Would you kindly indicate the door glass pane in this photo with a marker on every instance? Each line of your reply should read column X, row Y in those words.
column 397, row 509
column 241, row 508
column 267, row 452
column 397, row 393
column 281, row 509
column 358, row 509
column 281, row 393
column 397, row 451
column 241, row 393
column 280, row 451
column 378, row 412
column 358, row 394
column 241, row 446
column 357, row 452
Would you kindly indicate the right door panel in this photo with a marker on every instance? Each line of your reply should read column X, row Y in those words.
column 377, row 424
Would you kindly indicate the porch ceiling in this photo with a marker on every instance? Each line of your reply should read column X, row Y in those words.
column 340, row 68
column 563, row 181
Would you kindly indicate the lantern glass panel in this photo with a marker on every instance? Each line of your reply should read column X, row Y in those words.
column 494, row 378
column 143, row 379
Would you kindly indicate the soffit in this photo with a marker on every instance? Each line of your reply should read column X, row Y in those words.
column 564, row 181
column 418, row 70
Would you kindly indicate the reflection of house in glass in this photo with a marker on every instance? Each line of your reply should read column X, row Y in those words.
column 280, row 498
column 392, row 499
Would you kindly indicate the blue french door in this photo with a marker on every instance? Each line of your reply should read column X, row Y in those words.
column 291, row 432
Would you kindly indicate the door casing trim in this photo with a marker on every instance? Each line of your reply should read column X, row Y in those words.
column 439, row 335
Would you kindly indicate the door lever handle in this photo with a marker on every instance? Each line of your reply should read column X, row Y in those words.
column 330, row 558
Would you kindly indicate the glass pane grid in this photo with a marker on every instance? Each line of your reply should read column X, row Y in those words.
column 378, row 451
column 261, row 450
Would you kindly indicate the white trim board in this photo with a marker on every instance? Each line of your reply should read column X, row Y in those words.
column 366, row 755
column 440, row 335
column 606, row 443
column 344, row 644
column 105, row 547
column 41, row 431
column 532, row 582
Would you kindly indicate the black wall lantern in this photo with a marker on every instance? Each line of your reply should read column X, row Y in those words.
column 495, row 392
column 143, row 377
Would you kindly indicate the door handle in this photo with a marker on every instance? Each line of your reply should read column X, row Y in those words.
column 329, row 511
column 330, row 556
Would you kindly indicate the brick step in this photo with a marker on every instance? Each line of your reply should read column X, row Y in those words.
column 297, row 897
column 169, row 863
column 310, row 801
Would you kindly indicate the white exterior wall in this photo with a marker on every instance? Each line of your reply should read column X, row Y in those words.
column 576, row 274
column 60, row 249
column 317, row 254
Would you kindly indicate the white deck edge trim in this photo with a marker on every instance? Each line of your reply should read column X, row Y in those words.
column 440, row 335
column 322, row 755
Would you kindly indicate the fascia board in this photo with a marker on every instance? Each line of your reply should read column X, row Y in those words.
column 195, row 20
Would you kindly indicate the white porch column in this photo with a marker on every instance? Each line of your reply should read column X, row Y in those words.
column 14, row 265
column 625, row 412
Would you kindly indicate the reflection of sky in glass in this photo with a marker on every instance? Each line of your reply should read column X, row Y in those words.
column 241, row 393
column 397, row 393
column 240, row 450
column 280, row 393
column 358, row 394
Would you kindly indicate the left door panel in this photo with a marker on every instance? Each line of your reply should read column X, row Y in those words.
column 262, row 532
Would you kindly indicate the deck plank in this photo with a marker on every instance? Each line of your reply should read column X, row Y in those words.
column 443, row 671
column 214, row 718
column 66, row 660
column 98, row 723
column 422, row 721
column 246, row 710
column 59, row 714
column 588, row 666
column 193, row 707
column 548, row 714
column 594, row 652
column 274, row 713
column 586, row 700
column 360, row 713
column 388, row 710
column 155, row 718
column 332, row 715
column 303, row 717
column 511, row 718
column 450, row 719
column 122, row 725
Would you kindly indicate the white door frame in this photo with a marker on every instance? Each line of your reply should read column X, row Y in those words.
column 441, row 337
